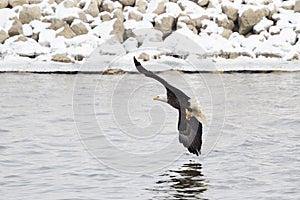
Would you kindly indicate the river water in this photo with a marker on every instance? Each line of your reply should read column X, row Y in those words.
column 91, row 136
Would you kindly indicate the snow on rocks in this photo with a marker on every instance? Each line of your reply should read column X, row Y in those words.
column 68, row 31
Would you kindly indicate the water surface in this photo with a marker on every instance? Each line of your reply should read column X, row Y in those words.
column 102, row 137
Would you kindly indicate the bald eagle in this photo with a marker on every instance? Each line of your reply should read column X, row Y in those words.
column 190, row 118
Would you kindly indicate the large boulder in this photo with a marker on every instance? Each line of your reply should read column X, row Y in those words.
column 3, row 36
column 127, row 2
column 165, row 23
column 66, row 32
column 248, row 20
column 16, row 28
column 14, row 3
column 3, row 3
column 29, row 14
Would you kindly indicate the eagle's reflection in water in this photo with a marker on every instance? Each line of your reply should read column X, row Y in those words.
column 187, row 182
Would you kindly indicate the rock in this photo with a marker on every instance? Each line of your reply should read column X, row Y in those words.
column 156, row 56
column 274, row 30
column 144, row 56
column 14, row 3
column 56, row 23
column 35, row 1
column 297, row 6
column 111, row 47
column 226, row 33
column 3, row 4
column 92, row 9
column 130, row 44
column 157, row 7
column 69, row 4
column 16, row 28
column 192, row 28
column 225, row 22
column 28, row 47
column 136, row 15
column 127, row 2
column 28, row 14
column 233, row 55
column 66, row 32
column 82, row 16
column 35, row 36
column 165, row 23
column 118, row 13
column 3, row 36
column 113, row 71
column 79, row 57
column 118, row 30
column 231, row 12
column 105, row 16
column 248, row 20
column 58, row 1
column 108, row 6
column 148, row 37
column 264, row 24
column 61, row 58
column 21, row 39
column 79, row 28
column 141, row 5
column 197, row 21
column 203, row 3
column 46, row 37
column 288, row 5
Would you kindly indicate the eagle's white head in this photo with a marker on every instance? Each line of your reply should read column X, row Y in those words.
column 161, row 97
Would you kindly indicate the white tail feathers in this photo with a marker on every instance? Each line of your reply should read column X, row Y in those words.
column 197, row 112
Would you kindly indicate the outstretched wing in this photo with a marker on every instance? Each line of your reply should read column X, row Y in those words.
column 172, row 91
column 190, row 133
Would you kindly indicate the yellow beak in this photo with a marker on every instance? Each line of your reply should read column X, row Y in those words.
column 155, row 98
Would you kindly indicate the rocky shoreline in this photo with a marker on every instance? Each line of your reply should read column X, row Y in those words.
column 69, row 31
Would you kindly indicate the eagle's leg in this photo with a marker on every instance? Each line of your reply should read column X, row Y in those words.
column 188, row 114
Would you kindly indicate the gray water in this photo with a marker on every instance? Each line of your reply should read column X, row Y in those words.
column 102, row 137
